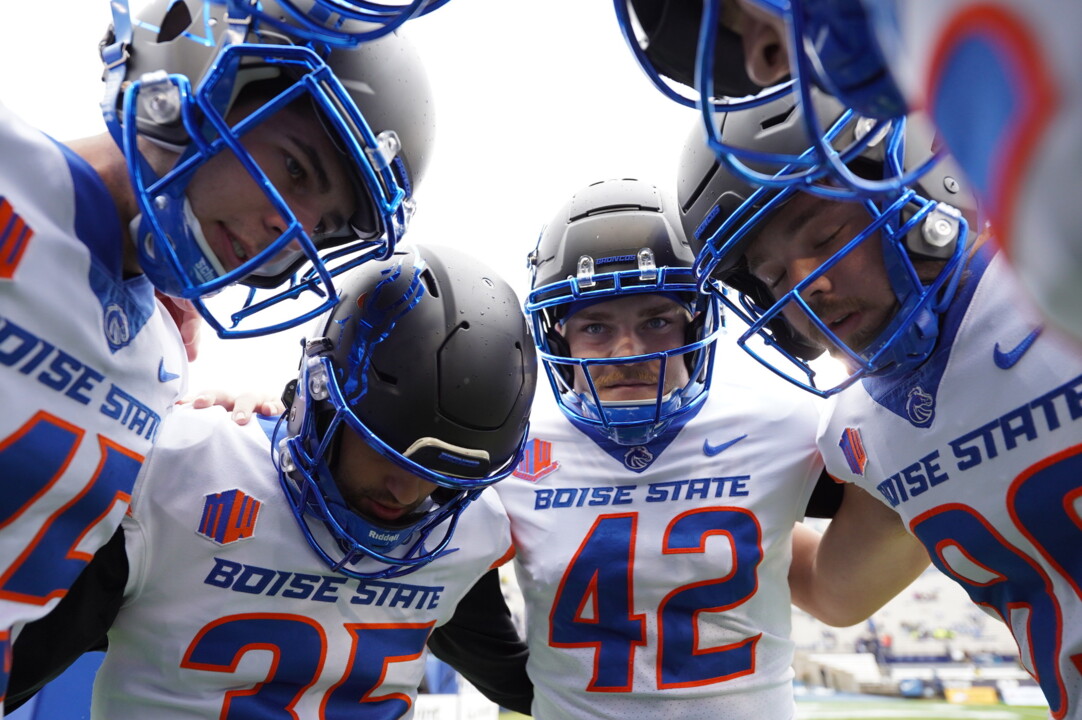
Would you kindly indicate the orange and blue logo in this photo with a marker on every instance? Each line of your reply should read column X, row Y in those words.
column 15, row 237
column 852, row 446
column 229, row 516
column 536, row 461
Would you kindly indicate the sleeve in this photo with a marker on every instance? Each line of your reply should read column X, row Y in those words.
column 481, row 643
column 826, row 498
column 44, row 649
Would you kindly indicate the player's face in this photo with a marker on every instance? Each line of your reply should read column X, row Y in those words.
column 297, row 155
column 632, row 325
column 854, row 298
column 374, row 486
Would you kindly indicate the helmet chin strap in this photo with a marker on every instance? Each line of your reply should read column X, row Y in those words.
column 138, row 228
column 142, row 234
column 114, row 55
column 618, row 404
column 383, row 536
column 628, row 411
column 175, row 148
column 196, row 228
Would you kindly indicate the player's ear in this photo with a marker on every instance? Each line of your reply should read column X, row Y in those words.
column 694, row 328
column 692, row 333
column 558, row 346
column 766, row 57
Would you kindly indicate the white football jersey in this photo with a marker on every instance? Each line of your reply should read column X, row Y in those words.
column 229, row 612
column 89, row 365
column 980, row 452
column 1001, row 79
column 655, row 578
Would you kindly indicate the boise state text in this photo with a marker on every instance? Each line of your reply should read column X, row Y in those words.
column 1049, row 412
column 256, row 580
column 60, row 371
column 666, row 491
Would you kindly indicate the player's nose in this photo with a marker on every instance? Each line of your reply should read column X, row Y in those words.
column 800, row 270
column 627, row 342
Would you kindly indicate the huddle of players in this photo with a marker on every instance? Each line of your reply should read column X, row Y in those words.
column 838, row 222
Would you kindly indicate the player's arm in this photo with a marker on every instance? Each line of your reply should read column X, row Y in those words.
column 863, row 559
column 44, row 649
column 481, row 643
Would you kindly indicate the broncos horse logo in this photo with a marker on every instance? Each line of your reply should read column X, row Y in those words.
column 920, row 406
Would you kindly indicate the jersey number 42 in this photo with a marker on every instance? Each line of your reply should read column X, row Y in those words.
column 593, row 604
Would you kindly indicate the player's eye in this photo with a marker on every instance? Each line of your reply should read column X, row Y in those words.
column 771, row 279
column 829, row 239
column 329, row 225
column 296, row 171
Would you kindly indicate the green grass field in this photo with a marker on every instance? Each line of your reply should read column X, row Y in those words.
column 898, row 710
column 913, row 710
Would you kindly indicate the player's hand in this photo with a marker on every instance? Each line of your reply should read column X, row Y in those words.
column 188, row 321
column 241, row 406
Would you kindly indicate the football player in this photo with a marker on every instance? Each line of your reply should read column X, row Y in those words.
column 743, row 58
column 997, row 78
column 653, row 515
column 957, row 412
column 231, row 157
column 333, row 539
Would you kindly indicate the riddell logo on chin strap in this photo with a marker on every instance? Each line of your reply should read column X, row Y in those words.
column 386, row 537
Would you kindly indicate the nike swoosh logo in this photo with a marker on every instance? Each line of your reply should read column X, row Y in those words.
column 712, row 450
column 163, row 374
column 1007, row 360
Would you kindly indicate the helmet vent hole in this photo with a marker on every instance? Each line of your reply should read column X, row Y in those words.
column 429, row 281
column 383, row 377
column 779, row 119
column 176, row 21
column 697, row 193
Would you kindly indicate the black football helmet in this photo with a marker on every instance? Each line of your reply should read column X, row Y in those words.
column 428, row 358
